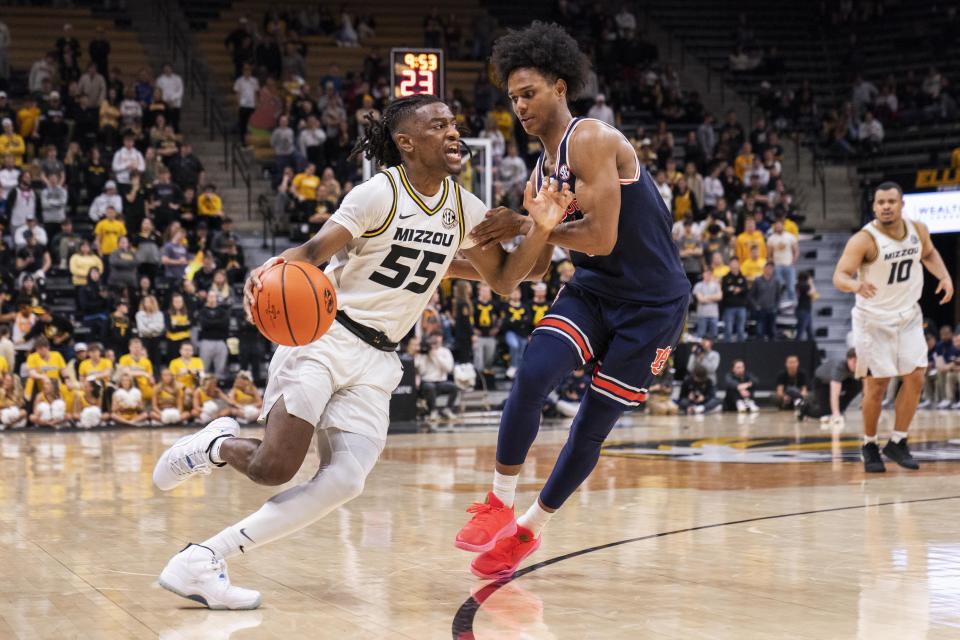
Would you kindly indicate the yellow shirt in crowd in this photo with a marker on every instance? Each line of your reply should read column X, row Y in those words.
column 13, row 145
column 746, row 240
column 142, row 378
column 87, row 367
column 209, row 204
column 752, row 269
column 108, row 234
column 181, row 370
column 306, row 186
column 50, row 367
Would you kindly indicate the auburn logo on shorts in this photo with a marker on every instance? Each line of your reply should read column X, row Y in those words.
column 656, row 367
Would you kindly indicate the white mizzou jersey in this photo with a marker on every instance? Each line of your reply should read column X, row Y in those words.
column 403, row 242
column 896, row 272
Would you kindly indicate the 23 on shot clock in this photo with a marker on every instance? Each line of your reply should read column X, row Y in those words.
column 414, row 71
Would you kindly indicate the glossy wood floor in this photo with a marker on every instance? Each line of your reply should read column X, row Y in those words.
column 718, row 527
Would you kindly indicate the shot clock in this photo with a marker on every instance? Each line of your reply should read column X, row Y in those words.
column 414, row 71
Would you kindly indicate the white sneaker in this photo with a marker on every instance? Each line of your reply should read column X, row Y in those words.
column 448, row 414
column 752, row 406
column 923, row 404
column 741, row 406
column 943, row 404
column 434, row 416
column 197, row 574
column 191, row 454
column 698, row 409
column 955, row 405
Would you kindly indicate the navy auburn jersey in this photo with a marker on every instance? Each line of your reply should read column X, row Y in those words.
column 644, row 266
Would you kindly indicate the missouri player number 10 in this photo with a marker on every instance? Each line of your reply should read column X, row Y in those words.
column 414, row 71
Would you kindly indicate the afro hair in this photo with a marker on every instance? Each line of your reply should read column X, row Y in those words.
column 548, row 49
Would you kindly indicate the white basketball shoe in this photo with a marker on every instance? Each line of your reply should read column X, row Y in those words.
column 196, row 573
column 191, row 454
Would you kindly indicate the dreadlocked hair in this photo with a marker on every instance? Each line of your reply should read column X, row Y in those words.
column 545, row 47
column 377, row 142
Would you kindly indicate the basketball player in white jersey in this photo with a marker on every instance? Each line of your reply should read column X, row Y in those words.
column 881, row 264
column 388, row 244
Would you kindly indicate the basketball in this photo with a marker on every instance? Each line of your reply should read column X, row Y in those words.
column 296, row 305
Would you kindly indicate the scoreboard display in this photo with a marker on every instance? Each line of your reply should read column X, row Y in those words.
column 414, row 71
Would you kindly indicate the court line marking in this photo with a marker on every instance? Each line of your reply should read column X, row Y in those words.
column 464, row 617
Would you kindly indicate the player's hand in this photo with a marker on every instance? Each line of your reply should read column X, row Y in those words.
column 548, row 206
column 253, row 285
column 866, row 290
column 499, row 225
column 946, row 286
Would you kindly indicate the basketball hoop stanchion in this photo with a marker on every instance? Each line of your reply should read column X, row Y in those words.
column 481, row 148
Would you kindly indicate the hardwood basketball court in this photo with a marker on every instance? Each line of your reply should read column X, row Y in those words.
column 715, row 527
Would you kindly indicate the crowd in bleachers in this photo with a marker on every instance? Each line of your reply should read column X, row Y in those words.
column 120, row 271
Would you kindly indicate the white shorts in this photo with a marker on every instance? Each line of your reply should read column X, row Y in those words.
column 338, row 381
column 889, row 347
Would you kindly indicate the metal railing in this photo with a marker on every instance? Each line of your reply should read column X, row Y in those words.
column 197, row 86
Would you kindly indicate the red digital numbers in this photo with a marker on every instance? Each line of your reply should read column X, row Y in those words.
column 414, row 82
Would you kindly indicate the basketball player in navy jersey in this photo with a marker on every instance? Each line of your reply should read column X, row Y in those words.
column 624, row 308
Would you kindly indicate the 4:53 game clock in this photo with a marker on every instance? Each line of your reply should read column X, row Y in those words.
column 414, row 71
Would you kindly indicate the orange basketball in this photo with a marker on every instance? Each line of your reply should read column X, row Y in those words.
column 296, row 305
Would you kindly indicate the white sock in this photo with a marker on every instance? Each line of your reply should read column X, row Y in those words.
column 215, row 450
column 535, row 518
column 868, row 439
column 897, row 436
column 505, row 487
column 349, row 460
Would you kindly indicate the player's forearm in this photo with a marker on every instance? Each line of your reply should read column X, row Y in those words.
column 934, row 264
column 583, row 236
column 845, row 282
column 516, row 266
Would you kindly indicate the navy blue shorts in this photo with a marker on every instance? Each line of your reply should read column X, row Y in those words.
column 631, row 342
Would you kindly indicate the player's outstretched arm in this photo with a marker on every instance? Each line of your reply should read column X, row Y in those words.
column 503, row 271
column 317, row 250
column 464, row 269
column 933, row 261
column 854, row 255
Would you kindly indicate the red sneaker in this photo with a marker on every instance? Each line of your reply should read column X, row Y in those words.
column 506, row 556
column 492, row 520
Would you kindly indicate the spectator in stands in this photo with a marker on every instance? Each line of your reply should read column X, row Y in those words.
column 691, row 251
column 178, row 323
column 4, row 49
column 871, row 134
column 33, row 259
column 697, row 393
column 127, row 159
column 9, row 178
column 12, row 403
column 948, row 372
column 666, row 191
column 735, row 288
column 462, row 312
column 765, row 294
column 33, row 226
column 65, row 244
column 210, row 207
column 835, row 387
column 516, row 326
column 784, row 251
column 740, row 386
column 312, row 140
column 752, row 267
column 434, row 365
column 108, row 232
column 282, row 142
column 42, row 72
column 22, row 322
column 109, row 121
column 136, row 362
column 792, row 388
column 123, row 267
column 214, row 322
column 82, row 262
column 806, row 293
column 602, row 111
column 43, row 364
column 566, row 399
column 751, row 236
column 708, row 294
column 246, row 87
column 109, row 199
column 93, row 302
column 53, row 204
column 512, row 174
column 304, row 189
column 93, row 85
column 703, row 355
column 151, row 327
column 486, row 326
column 12, row 143
column 719, row 267
column 186, row 169
column 171, row 86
